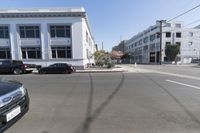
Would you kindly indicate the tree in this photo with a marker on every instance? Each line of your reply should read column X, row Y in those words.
column 171, row 51
column 103, row 58
column 116, row 54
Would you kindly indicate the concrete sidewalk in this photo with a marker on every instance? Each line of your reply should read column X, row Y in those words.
column 91, row 70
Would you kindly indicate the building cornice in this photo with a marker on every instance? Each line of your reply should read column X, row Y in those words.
column 42, row 12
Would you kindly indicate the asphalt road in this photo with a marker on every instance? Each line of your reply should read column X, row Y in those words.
column 110, row 103
column 187, row 69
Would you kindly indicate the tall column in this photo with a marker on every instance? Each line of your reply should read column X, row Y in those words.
column 45, row 41
column 13, row 42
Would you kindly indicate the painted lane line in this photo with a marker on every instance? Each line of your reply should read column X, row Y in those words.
column 183, row 84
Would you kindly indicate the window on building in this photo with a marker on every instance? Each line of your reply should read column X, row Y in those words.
column 190, row 34
column 145, row 48
column 60, row 31
column 178, row 43
column 145, row 40
column 178, row 25
column 31, row 53
column 152, row 37
column 178, row 34
column 158, row 35
column 29, row 31
column 87, row 53
column 168, row 24
column 87, row 37
column 152, row 46
column 168, row 34
column 4, row 34
column 5, row 53
column 168, row 43
column 140, row 42
column 61, row 52
column 190, row 43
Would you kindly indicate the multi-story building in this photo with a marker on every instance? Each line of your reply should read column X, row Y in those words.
column 121, row 46
column 145, row 46
column 45, row 36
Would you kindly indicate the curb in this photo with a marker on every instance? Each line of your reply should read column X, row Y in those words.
column 100, row 71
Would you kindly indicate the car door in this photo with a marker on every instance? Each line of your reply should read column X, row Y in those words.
column 62, row 68
column 49, row 69
column 5, row 67
column 59, row 68
column 53, row 68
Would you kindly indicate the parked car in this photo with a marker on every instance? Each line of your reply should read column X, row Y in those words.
column 14, row 102
column 195, row 61
column 16, row 67
column 57, row 68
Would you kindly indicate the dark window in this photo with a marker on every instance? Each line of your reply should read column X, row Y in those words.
column 4, row 32
column 31, row 53
column 61, row 52
column 168, row 43
column 152, row 37
column 178, row 43
column 69, row 52
column 178, row 25
column 178, row 35
column 53, row 53
column 145, row 40
column 140, row 42
column 68, row 31
column 37, row 33
column 168, row 34
column 2, row 54
column 23, row 53
column 29, row 31
column 5, row 53
column 60, row 31
column 158, row 35
column 22, row 32
column 87, row 38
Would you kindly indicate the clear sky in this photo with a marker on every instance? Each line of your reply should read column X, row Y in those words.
column 113, row 20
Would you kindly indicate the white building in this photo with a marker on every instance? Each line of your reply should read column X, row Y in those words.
column 45, row 36
column 145, row 46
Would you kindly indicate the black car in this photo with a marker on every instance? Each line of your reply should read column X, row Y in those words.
column 15, row 67
column 14, row 102
column 57, row 68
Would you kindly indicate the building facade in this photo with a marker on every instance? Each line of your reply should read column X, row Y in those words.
column 46, row 36
column 145, row 46
column 120, row 47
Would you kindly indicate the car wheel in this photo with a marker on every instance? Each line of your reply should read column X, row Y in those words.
column 69, row 72
column 17, row 71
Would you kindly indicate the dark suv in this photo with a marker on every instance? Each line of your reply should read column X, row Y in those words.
column 14, row 66
column 14, row 102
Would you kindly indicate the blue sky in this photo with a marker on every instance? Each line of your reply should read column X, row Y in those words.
column 112, row 20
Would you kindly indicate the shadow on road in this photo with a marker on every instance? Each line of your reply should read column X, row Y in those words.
column 91, row 117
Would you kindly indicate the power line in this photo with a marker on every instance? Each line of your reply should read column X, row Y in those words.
column 184, row 13
column 192, row 23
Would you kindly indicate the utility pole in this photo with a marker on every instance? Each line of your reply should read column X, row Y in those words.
column 161, row 25
column 102, row 45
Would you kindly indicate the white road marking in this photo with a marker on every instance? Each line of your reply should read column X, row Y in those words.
column 183, row 84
